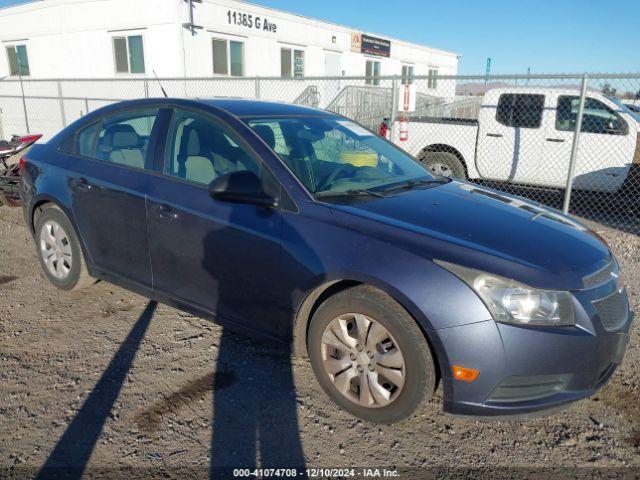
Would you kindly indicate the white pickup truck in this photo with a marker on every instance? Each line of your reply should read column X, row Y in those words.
column 524, row 136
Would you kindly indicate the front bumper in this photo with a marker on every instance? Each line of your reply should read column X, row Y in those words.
column 529, row 371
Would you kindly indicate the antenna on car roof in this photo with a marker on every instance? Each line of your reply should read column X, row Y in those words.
column 161, row 87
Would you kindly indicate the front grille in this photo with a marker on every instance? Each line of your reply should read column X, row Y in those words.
column 613, row 310
column 610, row 272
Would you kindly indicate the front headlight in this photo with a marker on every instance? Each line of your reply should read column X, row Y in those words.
column 512, row 302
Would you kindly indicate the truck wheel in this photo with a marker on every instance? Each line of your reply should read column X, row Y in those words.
column 369, row 355
column 59, row 251
column 444, row 163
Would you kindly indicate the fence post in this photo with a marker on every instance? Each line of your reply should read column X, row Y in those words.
column 146, row 88
column 574, row 147
column 86, row 106
column 394, row 99
column 257, row 85
column 61, row 100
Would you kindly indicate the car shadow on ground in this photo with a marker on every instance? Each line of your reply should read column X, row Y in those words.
column 254, row 407
column 254, row 403
column 71, row 454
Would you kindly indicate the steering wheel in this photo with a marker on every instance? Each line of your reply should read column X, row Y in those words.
column 329, row 179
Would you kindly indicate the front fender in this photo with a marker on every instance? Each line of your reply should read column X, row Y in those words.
column 315, row 256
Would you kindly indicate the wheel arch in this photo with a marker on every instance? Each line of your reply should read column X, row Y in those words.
column 314, row 299
column 45, row 202
column 443, row 148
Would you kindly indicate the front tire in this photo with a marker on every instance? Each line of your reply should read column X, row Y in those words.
column 444, row 163
column 59, row 251
column 369, row 355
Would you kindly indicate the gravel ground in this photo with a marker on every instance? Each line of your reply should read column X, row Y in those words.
column 102, row 378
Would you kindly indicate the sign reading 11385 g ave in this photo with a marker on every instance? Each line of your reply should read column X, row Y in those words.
column 250, row 21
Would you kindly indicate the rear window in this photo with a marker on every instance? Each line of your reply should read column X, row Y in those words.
column 520, row 110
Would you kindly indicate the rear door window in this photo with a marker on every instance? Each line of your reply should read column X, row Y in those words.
column 121, row 138
column 520, row 110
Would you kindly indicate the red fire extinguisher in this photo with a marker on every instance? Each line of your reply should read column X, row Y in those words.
column 404, row 128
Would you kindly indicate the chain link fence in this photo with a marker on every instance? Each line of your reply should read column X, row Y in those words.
column 567, row 141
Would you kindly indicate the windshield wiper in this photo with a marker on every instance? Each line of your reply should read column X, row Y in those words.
column 352, row 192
column 417, row 183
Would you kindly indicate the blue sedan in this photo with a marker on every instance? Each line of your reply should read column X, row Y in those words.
column 300, row 225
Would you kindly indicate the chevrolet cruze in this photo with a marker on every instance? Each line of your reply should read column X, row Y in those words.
column 301, row 225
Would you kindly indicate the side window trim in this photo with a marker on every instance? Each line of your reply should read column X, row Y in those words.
column 157, row 138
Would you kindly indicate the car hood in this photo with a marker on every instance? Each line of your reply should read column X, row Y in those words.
column 485, row 229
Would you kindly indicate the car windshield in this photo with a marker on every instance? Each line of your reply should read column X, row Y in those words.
column 333, row 156
column 625, row 109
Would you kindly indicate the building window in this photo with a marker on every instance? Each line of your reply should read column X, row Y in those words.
column 291, row 61
column 407, row 74
column 432, row 80
column 128, row 54
column 18, row 60
column 372, row 72
column 228, row 57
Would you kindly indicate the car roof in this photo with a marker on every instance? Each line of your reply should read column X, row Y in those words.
column 234, row 106
column 249, row 108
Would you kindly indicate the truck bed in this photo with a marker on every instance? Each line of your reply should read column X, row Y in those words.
column 445, row 120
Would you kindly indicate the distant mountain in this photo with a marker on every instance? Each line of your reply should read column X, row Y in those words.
column 479, row 88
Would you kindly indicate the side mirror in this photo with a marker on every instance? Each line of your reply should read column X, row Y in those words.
column 614, row 128
column 241, row 187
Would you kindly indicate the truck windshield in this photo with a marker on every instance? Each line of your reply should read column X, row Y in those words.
column 624, row 108
column 332, row 155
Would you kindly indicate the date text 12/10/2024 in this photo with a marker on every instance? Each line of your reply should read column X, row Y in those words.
column 316, row 472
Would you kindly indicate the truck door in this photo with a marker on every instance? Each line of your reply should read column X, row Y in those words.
column 511, row 137
column 606, row 148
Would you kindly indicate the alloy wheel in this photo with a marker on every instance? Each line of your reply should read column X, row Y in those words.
column 55, row 249
column 363, row 360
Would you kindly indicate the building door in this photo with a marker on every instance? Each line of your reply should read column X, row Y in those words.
column 332, row 68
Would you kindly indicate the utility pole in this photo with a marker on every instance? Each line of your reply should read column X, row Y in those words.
column 190, row 24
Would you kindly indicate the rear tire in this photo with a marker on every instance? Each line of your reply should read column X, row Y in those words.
column 444, row 163
column 381, row 369
column 59, row 251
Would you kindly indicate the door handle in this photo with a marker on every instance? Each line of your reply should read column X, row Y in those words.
column 81, row 184
column 166, row 213
column 496, row 135
column 557, row 140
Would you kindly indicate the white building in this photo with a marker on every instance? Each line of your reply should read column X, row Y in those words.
column 179, row 38
column 107, row 50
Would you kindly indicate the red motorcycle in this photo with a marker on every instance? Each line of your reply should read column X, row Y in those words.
column 11, row 168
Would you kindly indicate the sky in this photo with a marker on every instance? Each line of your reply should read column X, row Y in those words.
column 561, row 36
